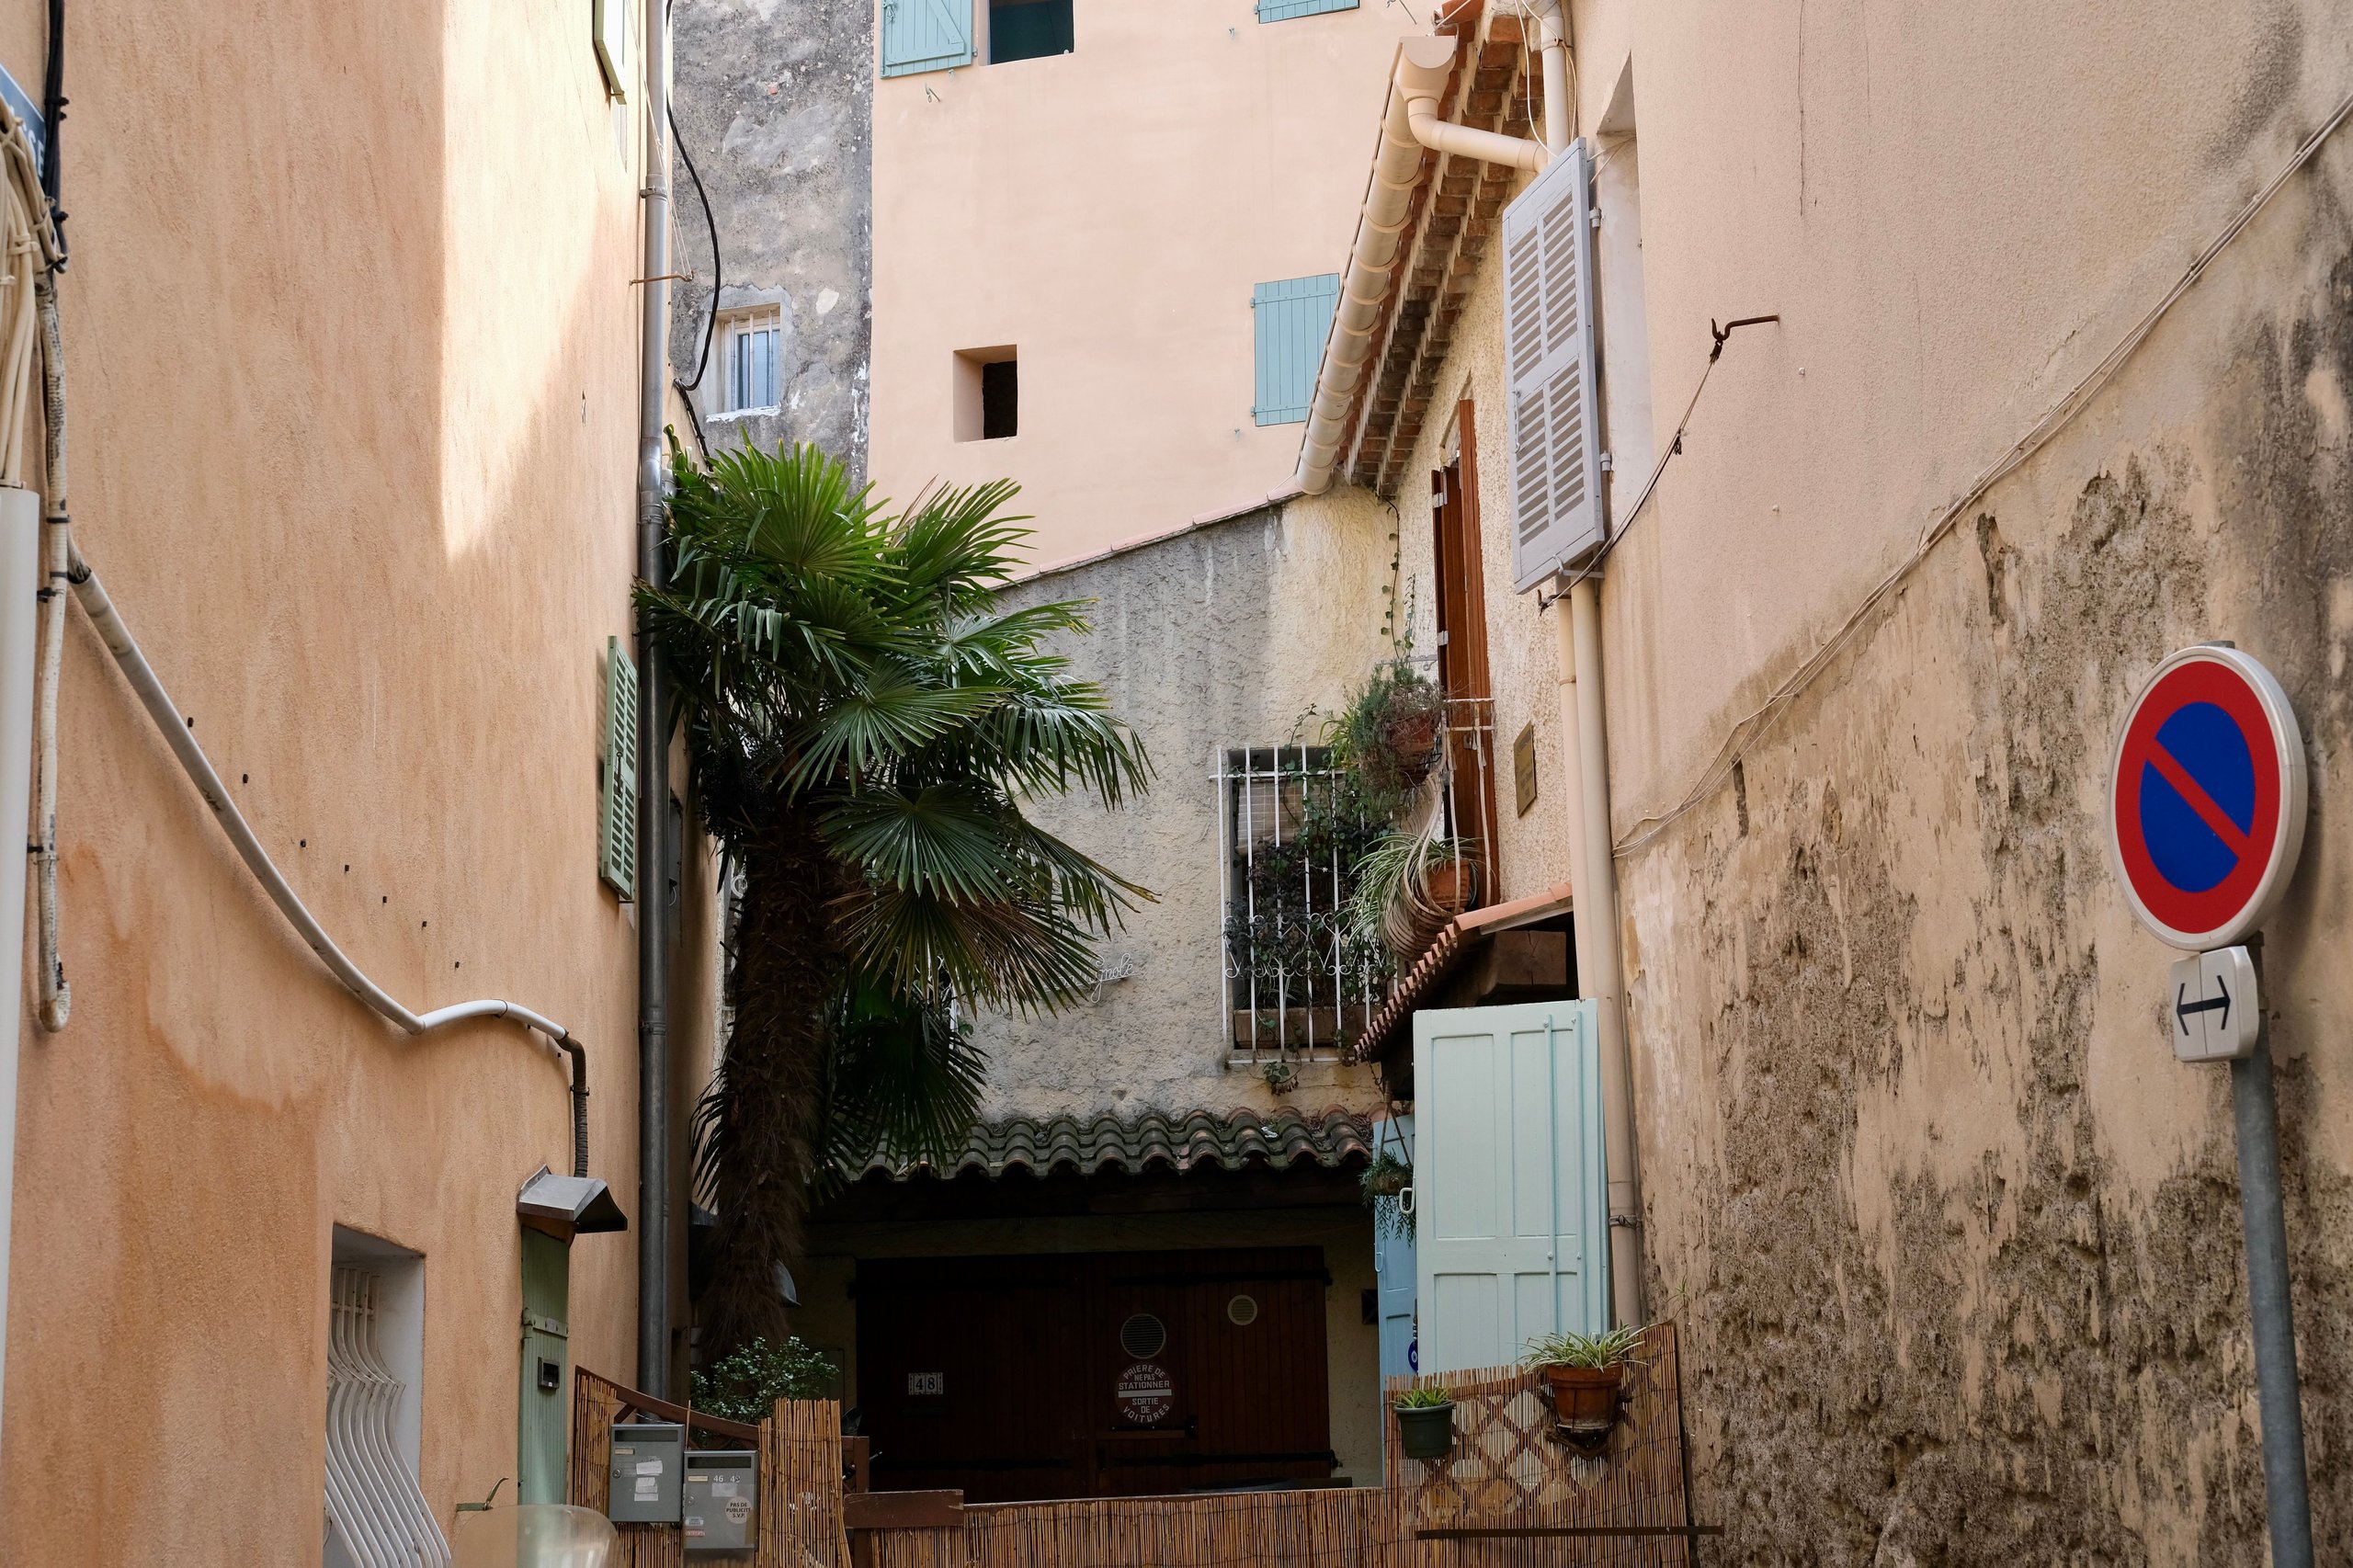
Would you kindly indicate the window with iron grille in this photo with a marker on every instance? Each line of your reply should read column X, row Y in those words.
column 1300, row 980
column 751, row 362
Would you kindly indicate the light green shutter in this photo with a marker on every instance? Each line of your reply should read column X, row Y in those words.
column 544, row 1413
column 925, row 35
column 616, row 775
column 1290, row 318
column 1284, row 10
column 1511, row 1238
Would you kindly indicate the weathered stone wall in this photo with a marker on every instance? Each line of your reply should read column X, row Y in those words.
column 1956, row 1240
column 774, row 102
column 1226, row 635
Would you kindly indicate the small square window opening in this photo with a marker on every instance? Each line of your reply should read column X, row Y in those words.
column 751, row 361
column 1029, row 30
column 988, row 394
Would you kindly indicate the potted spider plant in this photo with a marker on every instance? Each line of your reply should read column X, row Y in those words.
column 1425, row 1423
column 1586, row 1375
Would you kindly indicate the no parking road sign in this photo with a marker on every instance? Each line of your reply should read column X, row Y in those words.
column 2205, row 817
column 2206, row 800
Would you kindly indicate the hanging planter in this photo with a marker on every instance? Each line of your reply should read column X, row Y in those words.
column 1386, row 1177
column 1426, row 1423
column 1390, row 732
column 1586, row 1375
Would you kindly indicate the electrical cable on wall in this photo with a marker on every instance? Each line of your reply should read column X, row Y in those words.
column 1749, row 729
column 710, row 322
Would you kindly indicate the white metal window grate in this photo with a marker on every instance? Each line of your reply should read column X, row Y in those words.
column 1300, row 982
column 617, row 802
column 377, row 1512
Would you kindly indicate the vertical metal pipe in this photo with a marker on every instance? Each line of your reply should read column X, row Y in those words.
column 1593, row 859
column 654, row 911
column 2256, row 1107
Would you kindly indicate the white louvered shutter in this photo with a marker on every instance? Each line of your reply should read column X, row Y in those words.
column 616, row 775
column 1549, row 354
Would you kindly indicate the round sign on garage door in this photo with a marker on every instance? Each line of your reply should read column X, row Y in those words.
column 2206, row 798
column 1146, row 1394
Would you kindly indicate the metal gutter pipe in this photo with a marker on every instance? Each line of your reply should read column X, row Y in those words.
column 1409, row 125
column 1423, row 66
column 1593, row 847
column 1364, row 286
column 109, row 624
column 1592, row 873
column 653, row 912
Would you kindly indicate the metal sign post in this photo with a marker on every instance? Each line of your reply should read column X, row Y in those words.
column 2206, row 817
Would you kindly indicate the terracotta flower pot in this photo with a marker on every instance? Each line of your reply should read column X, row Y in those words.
column 1425, row 1432
column 1585, row 1398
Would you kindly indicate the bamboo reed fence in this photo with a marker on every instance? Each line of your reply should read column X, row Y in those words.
column 801, row 1481
column 1509, row 1496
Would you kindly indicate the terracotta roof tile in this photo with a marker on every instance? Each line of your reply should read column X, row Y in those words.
column 1183, row 1142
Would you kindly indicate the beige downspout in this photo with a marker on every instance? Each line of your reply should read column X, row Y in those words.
column 1592, row 858
column 1593, row 874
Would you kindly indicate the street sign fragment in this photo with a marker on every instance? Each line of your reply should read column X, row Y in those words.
column 2213, row 1004
column 2206, row 798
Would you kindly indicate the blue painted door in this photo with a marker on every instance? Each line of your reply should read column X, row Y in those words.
column 1511, row 1232
column 1393, row 1264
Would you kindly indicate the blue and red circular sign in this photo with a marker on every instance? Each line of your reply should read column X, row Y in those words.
column 2205, row 799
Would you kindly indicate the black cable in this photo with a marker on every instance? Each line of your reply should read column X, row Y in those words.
column 54, row 111
column 711, row 324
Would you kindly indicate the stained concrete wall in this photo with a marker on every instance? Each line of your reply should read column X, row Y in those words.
column 774, row 100
column 353, row 353
column 1246, row 633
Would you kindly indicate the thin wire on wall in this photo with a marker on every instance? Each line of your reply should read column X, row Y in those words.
column 1749, row 729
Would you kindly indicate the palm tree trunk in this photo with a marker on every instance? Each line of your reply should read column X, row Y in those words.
column 761, row 1125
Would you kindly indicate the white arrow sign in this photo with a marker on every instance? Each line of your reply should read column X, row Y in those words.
column 2212, row 1004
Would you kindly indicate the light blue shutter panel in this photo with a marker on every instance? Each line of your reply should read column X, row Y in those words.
column 925, row 35
column 1291, row 318
column 1509, row 1188
column 1284, row 10
column 1392, row 1268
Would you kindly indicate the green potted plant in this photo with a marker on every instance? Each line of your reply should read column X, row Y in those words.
column 1425, row 1423
column 1586, row 1373
column 1389, row 732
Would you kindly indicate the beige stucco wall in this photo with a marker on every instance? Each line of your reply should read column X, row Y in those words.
column 1108, row 212
column 1955, row 1240
column 353, row 348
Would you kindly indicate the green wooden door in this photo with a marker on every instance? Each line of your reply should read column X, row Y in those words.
column 545, row 1407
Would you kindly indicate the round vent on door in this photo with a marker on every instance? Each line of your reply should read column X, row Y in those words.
column 1243, row 1311
column 1144, row 1336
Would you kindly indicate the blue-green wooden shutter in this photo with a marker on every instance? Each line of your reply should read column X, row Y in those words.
column 925, row 35
column 1284, row 10
column 1510, row 1235
column 1292, row 316
column 616, row 774
column 1394, row 1268
column 543, row 1426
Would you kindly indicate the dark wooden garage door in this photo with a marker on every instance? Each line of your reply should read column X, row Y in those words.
column 1106, row 1374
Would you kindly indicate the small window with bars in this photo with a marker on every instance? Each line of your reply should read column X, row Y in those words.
column 751, row 362
column 1302, row 978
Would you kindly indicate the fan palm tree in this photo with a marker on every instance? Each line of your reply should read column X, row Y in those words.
column 865, row 718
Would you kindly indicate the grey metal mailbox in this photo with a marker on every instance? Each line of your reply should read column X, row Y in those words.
column 648, row 1458
column 722, row 1505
